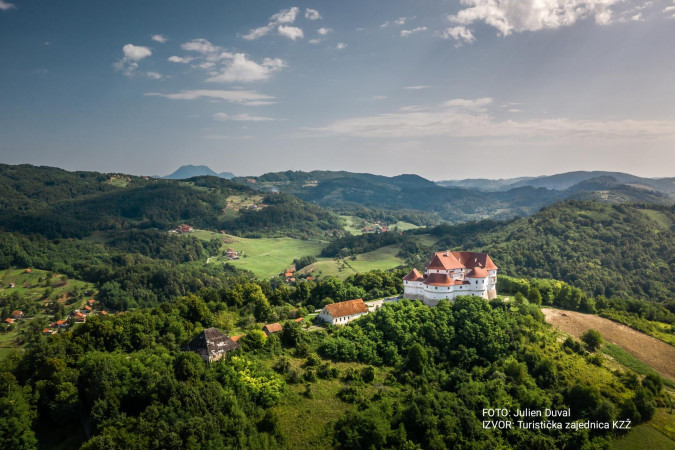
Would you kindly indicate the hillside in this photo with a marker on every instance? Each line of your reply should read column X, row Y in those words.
column 612, row 250
column 462, row 201
column 56, row 203
column 563, row 181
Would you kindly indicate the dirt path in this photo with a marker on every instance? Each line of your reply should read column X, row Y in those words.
column 657, row 354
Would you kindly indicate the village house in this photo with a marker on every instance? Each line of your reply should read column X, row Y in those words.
column 79, row 317
column 449, row 274
column 343, row 312
column 211, row 345
column 272, row 328
column 17, row 314
column 47, row 331
column 60, row 324
column 9, row 321
column 184, row 229
column 87, row 310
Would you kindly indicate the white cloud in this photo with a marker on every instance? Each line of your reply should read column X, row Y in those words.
column 291, row 33
column 132, row 55
column 200, row 46
column 154, row 75
column 405, row 33
column 341, row 46
column 241, row 69
column 509, row 16
column 670, row 10
column 250, row 98
column 478, row 103
column 459, row 33
column 515, row 110
column 399, row 21
column 416, row 88
column 226, row 67
column 277, row 21
column 256, row 33
column 4, row 6
column 462, row 118
column 180, row 59
column 312, row 14
column 314, row 41
column 324, row 31
column 637, row 17
column 241, row 117
column 285, row 15
column 136, row 52
column 159, row 38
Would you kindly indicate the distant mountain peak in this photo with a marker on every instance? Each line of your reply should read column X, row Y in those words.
column 189, row 171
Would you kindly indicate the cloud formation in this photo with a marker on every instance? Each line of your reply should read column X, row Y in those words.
column 226, row 67
column 249, row 98
column 291, row 33
column 159, row 38
column 324, row 31
column 312, row 14
column 405, row 33
column 132, row 55
column 470, row 118
column 281, row 23
column 516, row 16
column 4, row 6
column 241, row 117
column 416, row 88
column 341, row 46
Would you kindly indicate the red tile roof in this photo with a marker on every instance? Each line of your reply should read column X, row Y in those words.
column 88, row 308
column 60, row 322
column 439, row 279
column 272, row 328
column 8, row 320
column 299, row 319
column 237, row 337
column 473, row 259
column 414, row 275
column 444, row 261
column 347, row 308
column 478, row 272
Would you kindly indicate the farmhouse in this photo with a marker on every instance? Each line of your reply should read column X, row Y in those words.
column 343, row 312
column 17, row 314
column 211, row 345
column 449, row 274
column 272, row 328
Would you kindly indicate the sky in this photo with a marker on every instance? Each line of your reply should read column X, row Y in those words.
column 443, row 89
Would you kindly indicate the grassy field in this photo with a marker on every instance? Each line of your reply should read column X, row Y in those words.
column 383, row 258
column 266, row 257
column 626, row 359
column 304, row 420
column 355, row 225
column 658, row 433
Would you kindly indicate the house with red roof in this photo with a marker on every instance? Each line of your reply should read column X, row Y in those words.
column 272, row 328
column 343, row 312
column 449, row 274
column 17, row 314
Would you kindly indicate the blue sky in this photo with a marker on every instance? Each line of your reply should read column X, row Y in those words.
column 448, row 90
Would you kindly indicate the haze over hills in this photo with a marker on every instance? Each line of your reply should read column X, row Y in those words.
column 189, row 171
column 562, row 181
column 464, row 200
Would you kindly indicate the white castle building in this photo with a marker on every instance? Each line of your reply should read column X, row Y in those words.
column 449, row 274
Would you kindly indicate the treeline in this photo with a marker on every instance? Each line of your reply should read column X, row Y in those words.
column 285, row 214
column 354, row 245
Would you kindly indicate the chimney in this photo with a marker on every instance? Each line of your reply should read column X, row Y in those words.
column 447, row 253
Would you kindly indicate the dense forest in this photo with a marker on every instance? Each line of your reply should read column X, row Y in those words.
column 123, row 382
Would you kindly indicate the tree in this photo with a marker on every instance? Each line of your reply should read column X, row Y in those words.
column 417, row 358
column 592, row 339
column 534, row 296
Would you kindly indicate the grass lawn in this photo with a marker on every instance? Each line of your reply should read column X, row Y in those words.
column 383, row 258
column 658, row 433
column 266, row 257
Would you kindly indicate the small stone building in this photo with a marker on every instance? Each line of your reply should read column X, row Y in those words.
column 343, row 312
column 211, row 345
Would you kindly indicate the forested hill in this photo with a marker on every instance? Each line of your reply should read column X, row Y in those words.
column 611, row 250
column 57, row 203
column 344, row 190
